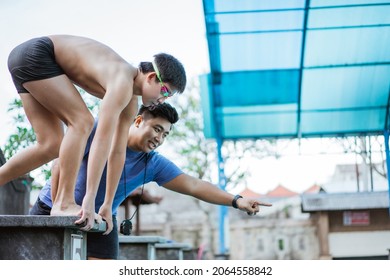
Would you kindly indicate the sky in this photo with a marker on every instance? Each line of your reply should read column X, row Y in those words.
column 137, row 30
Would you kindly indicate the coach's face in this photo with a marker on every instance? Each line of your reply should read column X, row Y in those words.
column 150, row 133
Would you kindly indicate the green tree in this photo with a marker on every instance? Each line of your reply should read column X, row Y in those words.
column 24, row 135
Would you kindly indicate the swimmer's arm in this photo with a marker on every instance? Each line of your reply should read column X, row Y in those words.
column 116, row 160
column 112, row 105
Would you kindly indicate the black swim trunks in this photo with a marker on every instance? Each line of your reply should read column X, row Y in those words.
column 33, row 60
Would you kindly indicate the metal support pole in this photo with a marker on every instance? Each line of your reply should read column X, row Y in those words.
column 222, row 208
column 386, row 135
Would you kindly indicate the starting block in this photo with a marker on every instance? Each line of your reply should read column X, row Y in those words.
column 28, row 237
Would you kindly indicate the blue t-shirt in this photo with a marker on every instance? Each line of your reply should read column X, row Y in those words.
column 158, row 169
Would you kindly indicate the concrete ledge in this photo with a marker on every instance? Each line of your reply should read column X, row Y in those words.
column 43, row 238
column 141, row 239
column 139, row 247
column 45, row 221
column 173, row 245
column 172, row 251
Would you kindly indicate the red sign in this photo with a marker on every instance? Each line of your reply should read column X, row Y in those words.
column 352, row 218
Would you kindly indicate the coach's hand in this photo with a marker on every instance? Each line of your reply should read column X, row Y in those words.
column 251, row 205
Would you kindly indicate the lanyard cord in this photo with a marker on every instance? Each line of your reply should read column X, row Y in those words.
column 142, row 188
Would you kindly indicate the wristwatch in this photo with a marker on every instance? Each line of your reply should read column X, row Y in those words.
column 234, row 201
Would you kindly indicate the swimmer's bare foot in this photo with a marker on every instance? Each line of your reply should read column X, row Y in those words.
column 68, row 210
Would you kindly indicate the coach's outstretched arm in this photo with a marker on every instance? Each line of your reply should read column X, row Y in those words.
column 210, row 193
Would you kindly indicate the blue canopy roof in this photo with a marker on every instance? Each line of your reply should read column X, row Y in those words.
column 296, row 68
